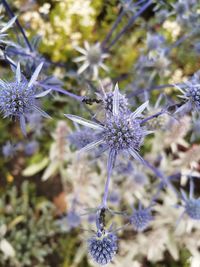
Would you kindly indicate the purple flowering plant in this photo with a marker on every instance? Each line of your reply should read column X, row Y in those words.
column 130, row 126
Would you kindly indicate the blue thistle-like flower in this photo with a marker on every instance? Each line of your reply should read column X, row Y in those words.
column 191, row 205
column 192, row 208
column 18, row 98
column 73, row 219
column 154, row 41
column 141, row 218
column 102, row 247
column 31, row 148
column 8, row 149
column 181, row 7
column 119, row 132
column 191, row 95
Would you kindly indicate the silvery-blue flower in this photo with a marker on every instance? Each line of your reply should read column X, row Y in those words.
column 8, row 149
column 31, row 148
column 141, row 218
column 191, row 96
column 19, row 98
column 191, row 205
column 154, row 41
column 119, row 132
column 102, row 247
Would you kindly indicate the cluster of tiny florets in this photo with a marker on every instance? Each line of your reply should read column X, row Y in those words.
column 94, row 55
column 192, row 208
column 140, row 219
column 103, row 248
column 16, row 99
column 193, row 93
column 122, row 133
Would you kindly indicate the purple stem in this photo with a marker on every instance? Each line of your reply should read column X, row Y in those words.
column 158, row 173
column 153, row 116
column 111, row 162
column 60, row 90
column 130, row 22
column 151, row 88
column 108, row 36
column 179, row 41
column 12, row 15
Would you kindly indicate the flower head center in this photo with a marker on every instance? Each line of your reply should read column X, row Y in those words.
column 94, row 55
column 122, row 133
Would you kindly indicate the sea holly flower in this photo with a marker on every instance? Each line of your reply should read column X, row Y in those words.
column 18, row 98
column 30, row 59
column 141, row 218
column 191, row 205
column 8, row 149
column 92, row 58
column 119, row 132
column 102, row 247
column 154, row 41
column 191, row 95
column 181, row 7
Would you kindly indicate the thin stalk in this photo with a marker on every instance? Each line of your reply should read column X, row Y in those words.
column 153, row 116
column 152, row 88
column 12, row 15
column 60, row 90
column 117, row 21
column 111, row 162
column 130, row 22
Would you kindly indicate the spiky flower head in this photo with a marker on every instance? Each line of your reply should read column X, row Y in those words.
column 73, row 219
column 8, row 149
column 141, row 218
column 93, row 57
column 18, row 98
column 191, row 205
column 191, row 94
column 192, row 208
column 119, row 132
column 154, row 41
column 181, row 7
column 122, row 133
column 102, row 247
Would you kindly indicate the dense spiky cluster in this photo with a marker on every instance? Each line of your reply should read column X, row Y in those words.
column 140, row 219
column 192, row 208
column 102, row 248
column 122, row 133
column 193, row 93
column 16, row 98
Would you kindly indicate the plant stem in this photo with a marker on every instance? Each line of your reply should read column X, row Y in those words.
column 130, row 22
column 118, row 20
column 60, row 90
column 111, row 162
column 11, row 14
